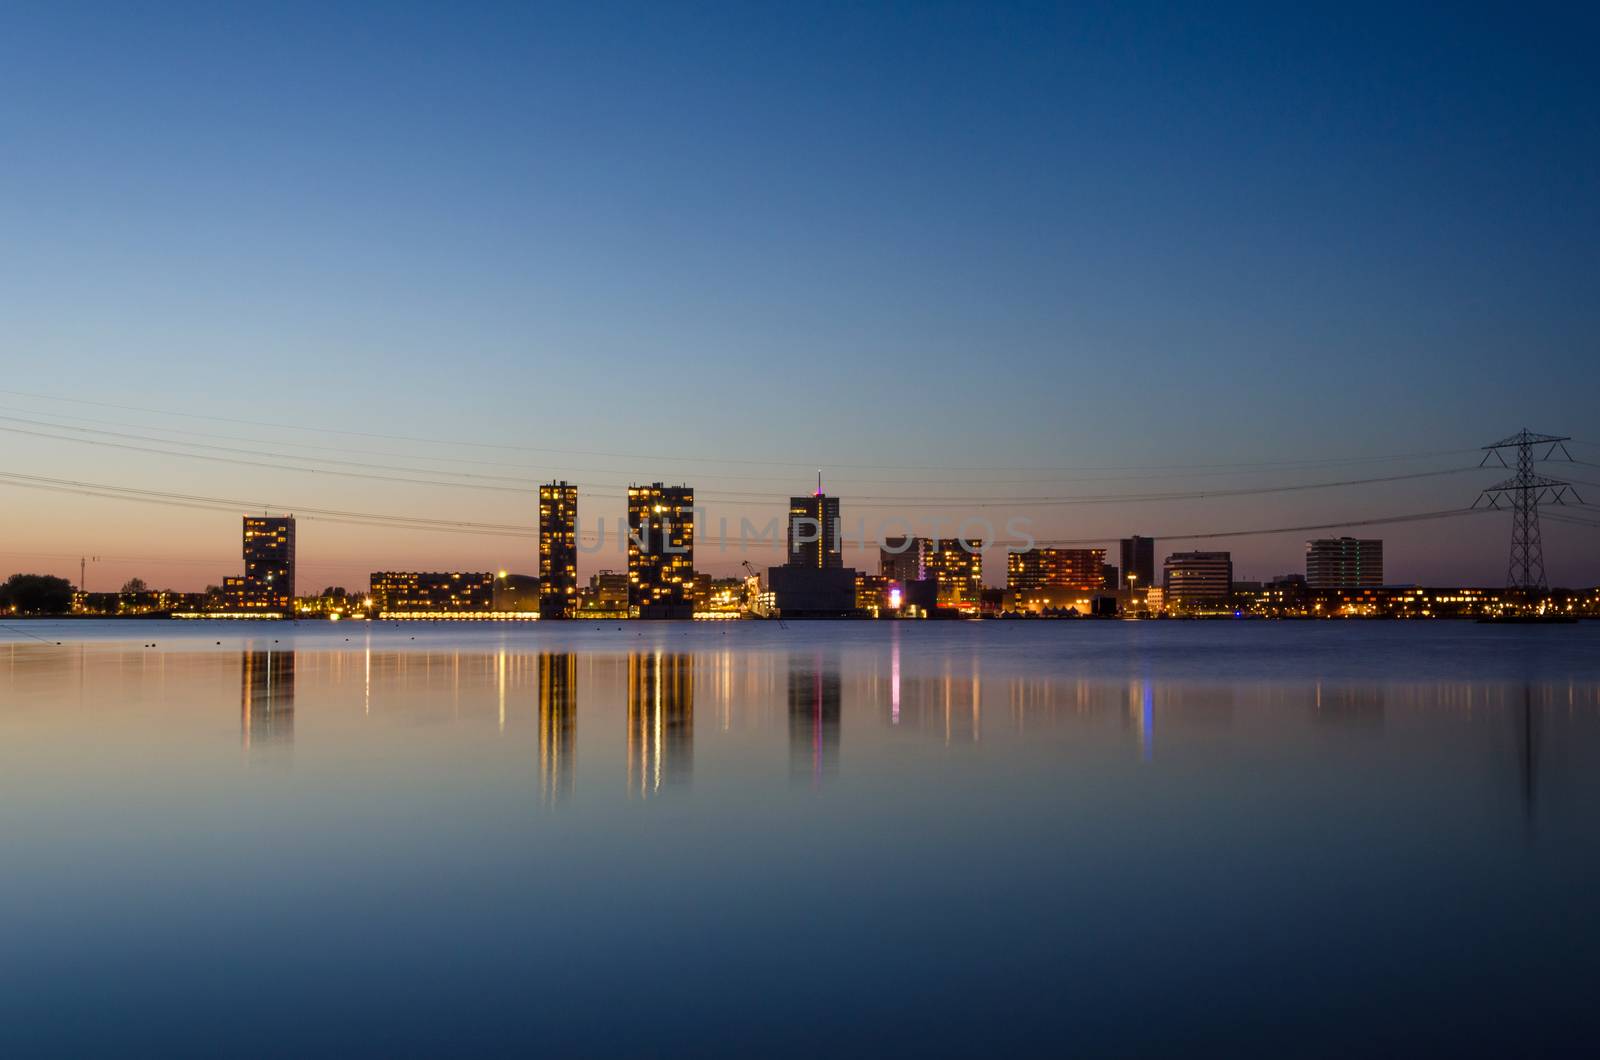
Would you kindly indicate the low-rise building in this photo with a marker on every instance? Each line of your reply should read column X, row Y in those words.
column 1197, row 581
column 606, row 595
column 956, row 564
column 813, row 591
column 432, row 591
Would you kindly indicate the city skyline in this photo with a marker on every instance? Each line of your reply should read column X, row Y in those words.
column 911, row 248
column 582, row 545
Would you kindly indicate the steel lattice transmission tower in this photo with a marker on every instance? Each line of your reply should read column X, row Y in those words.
column 1522, row 493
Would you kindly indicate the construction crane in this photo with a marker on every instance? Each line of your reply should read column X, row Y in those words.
column 752, row 587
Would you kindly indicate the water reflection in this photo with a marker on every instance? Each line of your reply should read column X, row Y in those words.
column 266, row 698
column 660, row 721
column 558, row 724
column 1349, row 706
column 814, row 709
column 1527, row 719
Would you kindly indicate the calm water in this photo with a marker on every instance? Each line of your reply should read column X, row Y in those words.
column 837, row 838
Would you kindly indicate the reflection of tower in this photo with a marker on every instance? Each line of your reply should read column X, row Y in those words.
column 558, row 724
column 266, row 697
column 813, row 717
column 660, row 721
column 1527, row 720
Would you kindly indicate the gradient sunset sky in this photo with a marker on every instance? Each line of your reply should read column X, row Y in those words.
column 941, row 251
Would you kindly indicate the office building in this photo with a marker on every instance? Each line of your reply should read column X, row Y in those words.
column 1197, row 581
column 802, row 592
column 661, row 551
column 814, row 531
column 904, row 559
column 1344, row 563
column 436, row 592
column 1072, row 568
column 956, row 564
column 813, row 581
column 268, row 582
column 1054, row 580
column 873, row 594
column 558, row 549
column 1138, row 560
column 607, row 594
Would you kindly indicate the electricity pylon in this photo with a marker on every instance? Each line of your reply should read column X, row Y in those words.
column 1522, row 493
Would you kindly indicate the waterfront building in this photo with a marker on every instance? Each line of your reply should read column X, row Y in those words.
column 724, row 597
column 809, row 591
column 1057, row 600
column 1197, row 581
column 267, row 585
column 517, row 592
column 1054, row 580
column 904, row 559
column 606, row 594
column 956, row 564
column 814, row 531
column 1138, row 561
column 398, row 592
column 1283, row 596
column 1344, row 562
column 558, row 549
column 661, row 551
column 873, row 594
column 1408, row 601
column 813, row 581
column 1075, row 568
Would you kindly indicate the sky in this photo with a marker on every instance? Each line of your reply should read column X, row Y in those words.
column 978, row 253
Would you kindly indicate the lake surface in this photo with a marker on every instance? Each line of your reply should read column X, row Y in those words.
column 854, row 837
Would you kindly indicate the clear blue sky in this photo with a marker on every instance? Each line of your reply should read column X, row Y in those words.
column 933, row 234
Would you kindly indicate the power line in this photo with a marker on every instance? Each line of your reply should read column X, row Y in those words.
column 1416, row 517
column 450, row 526
column 867, row 501
column 545, row 469
column 698, row 459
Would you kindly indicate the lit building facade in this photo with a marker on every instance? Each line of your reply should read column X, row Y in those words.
column 1054, row 580
column 558, row 549
column 661, row 550
column 1344, row 562
column 1065, row 568
column 1197, row 581
column 814, row 532
column 607, row 594
column 956, row 564
column 873, row 594
column 397, row 592
column 904, row 559
column 268, row 582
